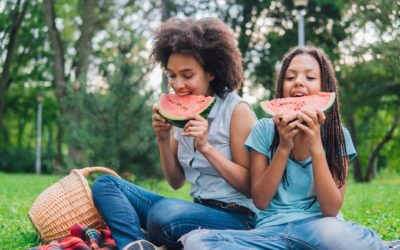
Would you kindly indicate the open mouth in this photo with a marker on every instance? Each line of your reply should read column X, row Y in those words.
column 183, row 93
column 298, row 94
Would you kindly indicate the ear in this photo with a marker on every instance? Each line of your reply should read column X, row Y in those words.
column 210, row 76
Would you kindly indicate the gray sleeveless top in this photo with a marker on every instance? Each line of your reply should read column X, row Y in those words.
column 206, row 183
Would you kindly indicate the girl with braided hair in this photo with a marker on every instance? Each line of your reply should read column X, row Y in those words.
column 200, row 57
column 298, row 169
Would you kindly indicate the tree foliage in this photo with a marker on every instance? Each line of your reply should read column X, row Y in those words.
column 371, row 86
column 90, row 58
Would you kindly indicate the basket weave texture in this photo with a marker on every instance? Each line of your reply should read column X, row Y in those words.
column 65, row 203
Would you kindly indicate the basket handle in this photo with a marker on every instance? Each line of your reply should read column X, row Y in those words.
column 88, row 170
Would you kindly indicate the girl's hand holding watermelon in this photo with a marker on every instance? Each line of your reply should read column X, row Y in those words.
column 310, row 124
column 203, row 66
column 198, row 128
column 286, row 123
column 160, row 125
column 298, row 167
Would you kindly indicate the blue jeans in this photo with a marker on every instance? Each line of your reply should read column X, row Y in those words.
column 312, row 233
column 126, row 208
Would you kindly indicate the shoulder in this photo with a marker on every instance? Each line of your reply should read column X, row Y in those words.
column 242, row 111
column 243, row 119
column 232, row 105
column 232, row 97
column 264, row 125
column 263, row 128
column 242, row 108
column 261, row 136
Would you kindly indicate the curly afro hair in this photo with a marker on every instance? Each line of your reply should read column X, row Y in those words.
column 209, row 41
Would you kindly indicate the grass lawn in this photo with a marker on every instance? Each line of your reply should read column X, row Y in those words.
column 376, row 205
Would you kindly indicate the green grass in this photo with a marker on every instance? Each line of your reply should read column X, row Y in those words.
column 17, row 194
column 375, row 205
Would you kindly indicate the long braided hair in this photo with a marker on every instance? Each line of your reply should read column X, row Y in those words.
column 331, row 130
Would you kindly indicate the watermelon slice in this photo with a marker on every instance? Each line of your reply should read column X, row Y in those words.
column 176, row 108
column 322, row 101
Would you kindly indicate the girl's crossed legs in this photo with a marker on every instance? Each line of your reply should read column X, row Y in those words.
column 127, row 208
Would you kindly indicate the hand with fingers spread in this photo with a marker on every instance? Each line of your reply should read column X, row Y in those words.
column 197, row 127
column 160, row 125
column 287, row 129
column 310, row 123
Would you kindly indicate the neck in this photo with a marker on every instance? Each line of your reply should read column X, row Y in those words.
column 299, row 152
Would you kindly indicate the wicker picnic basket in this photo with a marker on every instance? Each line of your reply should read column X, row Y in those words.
column 66, row 202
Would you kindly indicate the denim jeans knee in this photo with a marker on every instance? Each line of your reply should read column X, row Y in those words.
column 184, row 216
column 164, row 222
column 124, row 207
column 196, row 239
column 101, row 182
column 332, row 233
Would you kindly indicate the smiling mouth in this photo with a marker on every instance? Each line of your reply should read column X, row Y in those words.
column 298, row 95
column 183, row 93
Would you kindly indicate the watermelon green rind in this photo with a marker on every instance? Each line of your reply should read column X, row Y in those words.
column 265, row 109
column 265, row 104
column 180, row 121
column 329, row 105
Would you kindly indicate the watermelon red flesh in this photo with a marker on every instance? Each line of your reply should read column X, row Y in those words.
column 176, row 108
column 322, row 101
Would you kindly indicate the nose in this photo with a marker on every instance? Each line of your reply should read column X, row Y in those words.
column 178, row 83
column 300, row 81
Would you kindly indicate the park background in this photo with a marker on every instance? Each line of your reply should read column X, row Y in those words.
column 76, row 79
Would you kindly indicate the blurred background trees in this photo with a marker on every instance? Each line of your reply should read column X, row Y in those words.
column 90, row 59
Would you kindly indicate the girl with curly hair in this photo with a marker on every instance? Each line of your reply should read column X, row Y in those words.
column 200, row 57
column 298, row 168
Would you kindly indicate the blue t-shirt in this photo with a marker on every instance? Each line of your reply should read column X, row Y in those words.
column 294, row 200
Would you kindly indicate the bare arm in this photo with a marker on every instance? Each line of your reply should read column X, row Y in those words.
column 266, row 176
column 168, row 147
column 330, row 196
column 235, row 172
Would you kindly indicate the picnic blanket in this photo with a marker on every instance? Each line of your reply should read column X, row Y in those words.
column 82, row 238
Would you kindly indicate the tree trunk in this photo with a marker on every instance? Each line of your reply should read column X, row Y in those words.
column 56, row 43
column 59, row 73
column 357, row 169
column 84, row 46
column 358, row 175
column 166, row 9
column 5, row 79
column 21, row 128
column 375, row 153
column 59, row 157
column 84, row 50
